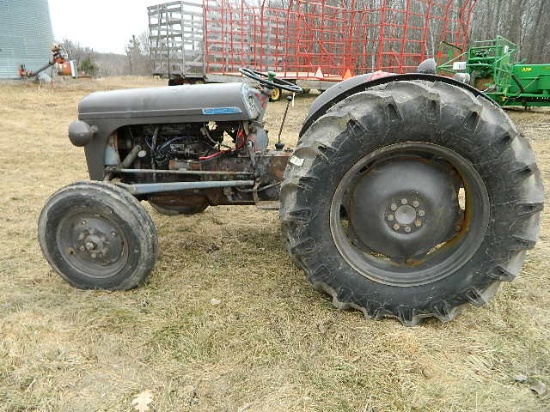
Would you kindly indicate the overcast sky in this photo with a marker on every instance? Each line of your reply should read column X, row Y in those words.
column 104, row 25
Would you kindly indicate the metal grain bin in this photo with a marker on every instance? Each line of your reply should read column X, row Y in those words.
column 26, row 35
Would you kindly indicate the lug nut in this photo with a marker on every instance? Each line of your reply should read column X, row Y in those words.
column 421, row 213
column 404, row 201
column 393, row 207
column 416, row 203
column 418, row 223
column 396, row 227
column 407, row 229
column 391, row 218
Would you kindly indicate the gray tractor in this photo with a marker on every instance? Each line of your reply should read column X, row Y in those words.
column 407, row 196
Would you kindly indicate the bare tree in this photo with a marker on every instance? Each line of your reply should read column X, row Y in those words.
column 524, row 22
column 137, row 52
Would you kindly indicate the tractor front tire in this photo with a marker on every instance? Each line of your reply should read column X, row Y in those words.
column 97, row 236
column 410, row 200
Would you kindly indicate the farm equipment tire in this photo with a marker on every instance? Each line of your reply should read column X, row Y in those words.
column 410, row 200
column 276, row 94
column 97, row 236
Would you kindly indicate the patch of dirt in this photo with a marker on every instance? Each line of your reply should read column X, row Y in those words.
column 534, row 123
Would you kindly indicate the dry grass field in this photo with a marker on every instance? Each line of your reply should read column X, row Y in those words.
column 226, row 322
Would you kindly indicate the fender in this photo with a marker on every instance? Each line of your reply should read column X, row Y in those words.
column 358, row 84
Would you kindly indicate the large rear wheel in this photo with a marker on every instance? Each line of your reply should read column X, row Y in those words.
column 411, row 200
column 97, row 236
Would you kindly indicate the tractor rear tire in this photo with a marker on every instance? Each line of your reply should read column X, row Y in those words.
column 410, row 200
column 97, row 236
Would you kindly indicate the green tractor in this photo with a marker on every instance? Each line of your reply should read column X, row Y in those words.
column 491, row 67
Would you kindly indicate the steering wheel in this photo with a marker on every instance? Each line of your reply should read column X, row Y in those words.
column 269, row 80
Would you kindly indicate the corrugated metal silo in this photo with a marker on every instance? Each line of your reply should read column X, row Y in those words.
column 26, row 35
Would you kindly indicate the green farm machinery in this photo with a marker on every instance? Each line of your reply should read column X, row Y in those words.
column 490, row 66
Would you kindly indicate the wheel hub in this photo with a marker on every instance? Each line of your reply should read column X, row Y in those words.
column 95, row 240
column 406, row 218
column 405, row 214
column 403, row 208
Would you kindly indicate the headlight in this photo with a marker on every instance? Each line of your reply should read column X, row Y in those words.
column 81, row 133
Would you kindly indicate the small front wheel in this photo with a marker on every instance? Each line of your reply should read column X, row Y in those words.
column 97, row 236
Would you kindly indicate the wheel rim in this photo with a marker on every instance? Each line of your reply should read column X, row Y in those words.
column 275, row 94
column 92, row 244
column 409, row 214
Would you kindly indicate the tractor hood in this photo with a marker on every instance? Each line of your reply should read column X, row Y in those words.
column 188, row 103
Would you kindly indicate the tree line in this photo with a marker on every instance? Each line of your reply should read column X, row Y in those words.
column 134, row 63
column 524, row 22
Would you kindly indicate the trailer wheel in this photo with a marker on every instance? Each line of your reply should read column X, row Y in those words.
column 97, row 236
column 276, row 94
column 177, row 81
column 411, row 200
